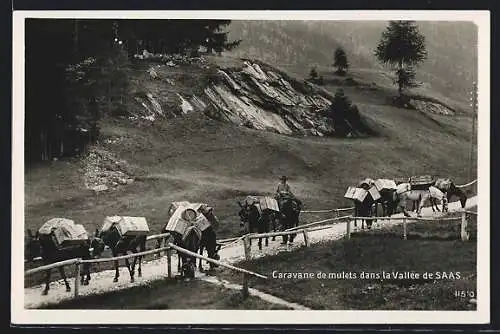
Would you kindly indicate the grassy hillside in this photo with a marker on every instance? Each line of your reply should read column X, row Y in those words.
column 452, row 48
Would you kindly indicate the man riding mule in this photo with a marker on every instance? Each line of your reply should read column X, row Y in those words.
column 192, row 226
column 60, row 239
column 258, row 213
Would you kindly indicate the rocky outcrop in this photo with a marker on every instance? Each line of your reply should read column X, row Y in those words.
column 250, row 94
column 267, row 100
column 432, row 107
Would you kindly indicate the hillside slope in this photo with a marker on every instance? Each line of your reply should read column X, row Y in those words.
column 194, row 157
column 298, row 45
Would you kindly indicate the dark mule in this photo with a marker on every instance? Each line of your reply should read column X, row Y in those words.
column 388, row 201
column 450, row 190
column 208, row 239
column 191, row 241
column 290, row 208
column 256, row 220
column 122, row 245
column 364, row 209
column 50, row 253
column 33, row 247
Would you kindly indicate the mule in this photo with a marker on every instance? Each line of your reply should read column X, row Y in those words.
column 33, row 247
column 290, row 208
column 405, row 194
column 364, row 209
column 388, row 202
column 450, row 189
column 191, row 241
column 256, row 220
column 50, row 253
column 208, row 240
column 122, row 245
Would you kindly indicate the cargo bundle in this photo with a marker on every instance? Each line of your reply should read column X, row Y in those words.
column 63, row 232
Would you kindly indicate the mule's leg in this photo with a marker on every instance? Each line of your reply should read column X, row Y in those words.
column 117, row 273
column 134, row 263
column 47, row 282
column 284, row 225
column 273, row 221
column 83, row 273
column 86, row 271
column 260, row 229
column 63, row 275
column 200, row 266
column 130, row 270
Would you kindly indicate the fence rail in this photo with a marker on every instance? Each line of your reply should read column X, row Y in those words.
column 467, row 184
column 327, row 211
column 463, row 223
column 126, row 257
column 51, row 266
column 188, row 252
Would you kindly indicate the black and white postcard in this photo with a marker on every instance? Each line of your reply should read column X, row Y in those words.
column 260, row 167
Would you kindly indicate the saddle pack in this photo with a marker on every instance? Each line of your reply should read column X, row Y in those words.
column 63, row 232
column 126, row 226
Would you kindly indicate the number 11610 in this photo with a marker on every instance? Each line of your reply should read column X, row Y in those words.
column 464, row 294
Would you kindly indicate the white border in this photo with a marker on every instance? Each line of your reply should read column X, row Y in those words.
column 167, row 317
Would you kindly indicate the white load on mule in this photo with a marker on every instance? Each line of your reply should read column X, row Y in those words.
column 385, row 184
column 263, row 203
column 186, row 214
column 126, row 226
column 63, row 232
column 422, row 182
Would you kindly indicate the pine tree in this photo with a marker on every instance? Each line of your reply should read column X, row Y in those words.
column 340, row 61
column 313, row 74
column 403, row 47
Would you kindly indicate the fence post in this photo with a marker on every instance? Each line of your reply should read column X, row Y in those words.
column 77, row 278
column 404, row 229
column 463, row 230
column 348, row 232
column 337, row 213
column 306, row 237
column 246, row 245
column 169, row 263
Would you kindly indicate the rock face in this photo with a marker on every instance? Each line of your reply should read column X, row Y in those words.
column 247, row 93
column 432, row 107
column 266, row 100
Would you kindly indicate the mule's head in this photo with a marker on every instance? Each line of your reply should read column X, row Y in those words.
column 96, row 246
column 33, row 246
column 244, row 214
column 208, row 212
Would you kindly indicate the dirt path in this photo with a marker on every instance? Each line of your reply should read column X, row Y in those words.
column 254, row 292
column 157, row 269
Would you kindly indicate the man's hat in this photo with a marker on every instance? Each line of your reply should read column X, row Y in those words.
column 283, row 177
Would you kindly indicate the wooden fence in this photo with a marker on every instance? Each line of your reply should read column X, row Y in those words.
column 78, row 262
column 463, row 224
